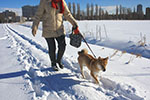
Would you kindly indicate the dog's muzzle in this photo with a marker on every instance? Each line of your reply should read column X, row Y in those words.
column 104, row 69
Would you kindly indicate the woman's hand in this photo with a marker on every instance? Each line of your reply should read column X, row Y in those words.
column 75, row 29
column 34, row 31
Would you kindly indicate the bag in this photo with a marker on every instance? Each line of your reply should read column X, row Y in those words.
column 75, row 39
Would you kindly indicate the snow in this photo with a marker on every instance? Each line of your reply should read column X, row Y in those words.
column 25, row 72
column 11, row 72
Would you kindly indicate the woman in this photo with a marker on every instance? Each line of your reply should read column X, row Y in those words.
column 51, row 13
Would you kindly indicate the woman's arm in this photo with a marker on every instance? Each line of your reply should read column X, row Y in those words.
column 38, row 15
column 68, row 16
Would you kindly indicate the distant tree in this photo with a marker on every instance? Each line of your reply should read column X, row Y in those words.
column 117, row 12
column 96, row 12
column 129, row 14
column 74, row 10
column 78, row 11
column 120, row 9
column 83, row 15
column 106, row 16
column 134, row 13
column 69, row 6
column 100, row 13
column 124, row 12
column 88, row 11
column 92, row 11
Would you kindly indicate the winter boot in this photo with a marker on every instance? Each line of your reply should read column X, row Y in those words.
column 59, row 58
column 61, row 50
column 60, row 65
column 54, row 66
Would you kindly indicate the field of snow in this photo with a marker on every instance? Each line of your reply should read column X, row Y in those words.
column 25, row 72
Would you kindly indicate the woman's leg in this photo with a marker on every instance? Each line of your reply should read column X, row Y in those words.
column 61, row 49
column 52, row 50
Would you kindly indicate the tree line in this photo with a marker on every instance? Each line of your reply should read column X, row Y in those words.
column 95, row 12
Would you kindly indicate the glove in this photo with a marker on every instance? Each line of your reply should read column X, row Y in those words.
column 75, row 29
column 34, row 29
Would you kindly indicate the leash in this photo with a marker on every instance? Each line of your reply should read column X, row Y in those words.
column 76, row 31
column 88, row 45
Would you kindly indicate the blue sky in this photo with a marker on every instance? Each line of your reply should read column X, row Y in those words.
column 125, row 3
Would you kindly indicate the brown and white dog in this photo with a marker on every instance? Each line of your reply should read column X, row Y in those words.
column 93, row 64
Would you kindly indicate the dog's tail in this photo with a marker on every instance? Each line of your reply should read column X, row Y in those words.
column 83, row 51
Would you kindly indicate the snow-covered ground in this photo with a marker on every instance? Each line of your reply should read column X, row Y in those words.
column 25, row 72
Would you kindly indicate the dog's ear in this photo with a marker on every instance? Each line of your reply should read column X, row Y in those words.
column 106, row 58
column 99, row 57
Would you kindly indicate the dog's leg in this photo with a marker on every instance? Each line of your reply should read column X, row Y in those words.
column 81, row 68
column 92, row 74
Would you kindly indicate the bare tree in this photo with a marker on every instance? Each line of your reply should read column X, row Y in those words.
column 120, row 16
column 129, row 13
column 96, row 12
column 88, row 11
column 74, row 10
column 92, row 11
column 106, row 16
column 103, row 14
column 78, row 11
column 124, row 12
column 83, row 15
column 100, row 13
column 117, row 12
column 134, row 13
column 69, row 6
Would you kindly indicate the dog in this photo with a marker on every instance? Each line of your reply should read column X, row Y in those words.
column 93, row 64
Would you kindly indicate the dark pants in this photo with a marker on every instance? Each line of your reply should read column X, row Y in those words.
column 52, row 48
